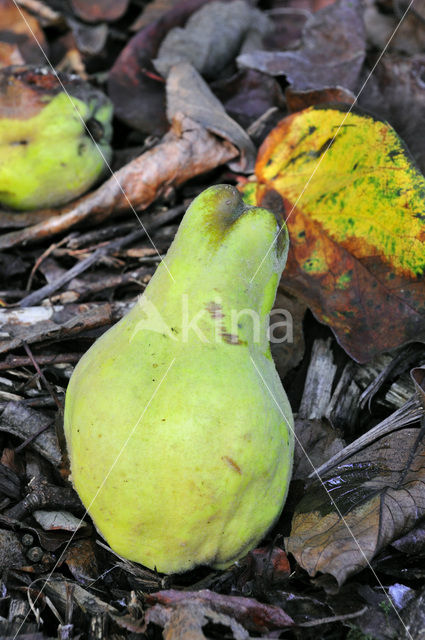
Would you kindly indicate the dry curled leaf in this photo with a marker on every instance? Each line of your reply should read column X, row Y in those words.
column 186, row 621
column 188, row 93
column 362, row 504
column 253, row 615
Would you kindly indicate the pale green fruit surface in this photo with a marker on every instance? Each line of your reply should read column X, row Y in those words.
column 47, row 158
column 180, row 449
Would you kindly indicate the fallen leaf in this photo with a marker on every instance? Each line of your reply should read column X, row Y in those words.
column 97, row 10
column 247, row 95
column 60, row 591
column 18, row 219
column 54, row 520
column 355, row 213
column 21, row 29
column 267, row 568
column 188, row 93
column 286, row 333
column 413, row 542
column 318, row 440
column 362, row 504
column 186, row 151
column 89, row 39
column 397, row 94
column 297, row 100
column 138, row 94
column 211, row 38
column 331, row 54
column 187, row 620
column 81, row 560
column 10, row 55
column 386, row 30
column 253, row 615
column 379, row 621
column 288, row 23
column 152, row 12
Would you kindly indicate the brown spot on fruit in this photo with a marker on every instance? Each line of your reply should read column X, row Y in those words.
column 215, row 310
column 232, row 464
column 231, row 338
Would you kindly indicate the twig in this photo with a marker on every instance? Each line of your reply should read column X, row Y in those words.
column 115, row 245
column 43, row 378
column 347, row 616
column 44, row 255
column 14, row 362
column 28, row 441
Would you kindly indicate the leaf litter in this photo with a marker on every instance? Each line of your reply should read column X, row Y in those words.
column 68, row 274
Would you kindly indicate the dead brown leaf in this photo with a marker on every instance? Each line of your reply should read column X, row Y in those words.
column 21, row 29
column 136, row 90
column 188, row 93
column 253, row 615
column 331, row 54
column 10, row 54
column 187, row 150
column 185, row 622
column 297, row 100
column 96, row 10
column 81, row 560
column 363, row 503
column 286, row 332
column 211, row 38
column 319, row 440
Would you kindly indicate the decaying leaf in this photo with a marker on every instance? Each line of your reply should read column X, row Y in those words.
column 297, row 100
column 355, row 211
column 20, row 28
column 185, row 151
column 318, row 440
column 138, row 94
column 363, row 503
column 189, row 94
column 248, row 95
column 81, row 560
column 10, row 55
column 185, row 622
column 397, row 94
column 96, row 10
column 211, row 38
column 58, row 520
column 253, row 615
column 286, row 332
column 331, row 54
